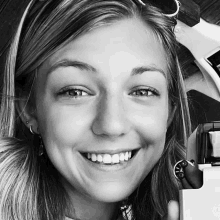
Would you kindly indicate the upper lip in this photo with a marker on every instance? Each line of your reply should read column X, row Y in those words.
column 109, row 151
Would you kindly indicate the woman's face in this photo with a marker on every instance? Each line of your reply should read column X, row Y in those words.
column 102, row 109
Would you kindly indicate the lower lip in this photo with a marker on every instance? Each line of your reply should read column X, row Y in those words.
column 110, row 167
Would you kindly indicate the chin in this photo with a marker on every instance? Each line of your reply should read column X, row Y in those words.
column 112, row 192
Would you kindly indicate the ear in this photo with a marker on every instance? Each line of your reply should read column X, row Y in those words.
column 171, row 114
column 27, row 114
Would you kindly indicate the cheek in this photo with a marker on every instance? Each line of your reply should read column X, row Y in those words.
column 63, row 125
column 63, row 130
column 152, row 123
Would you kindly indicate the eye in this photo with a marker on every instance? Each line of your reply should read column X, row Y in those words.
column 144, row 92
column 73, row 93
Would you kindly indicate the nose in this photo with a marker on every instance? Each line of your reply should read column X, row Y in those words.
column 111, row 119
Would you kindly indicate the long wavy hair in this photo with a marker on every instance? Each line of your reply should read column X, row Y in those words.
column 29, row 184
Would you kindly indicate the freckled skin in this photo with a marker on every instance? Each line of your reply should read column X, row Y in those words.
column 107, row 115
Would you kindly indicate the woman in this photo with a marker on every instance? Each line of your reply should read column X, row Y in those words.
column 93, row 113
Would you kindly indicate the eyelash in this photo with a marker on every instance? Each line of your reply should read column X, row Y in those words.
column 67, row 91
column 153, row 92
column 142, row 92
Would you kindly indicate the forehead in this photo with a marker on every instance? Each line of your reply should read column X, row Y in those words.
column 123, row 44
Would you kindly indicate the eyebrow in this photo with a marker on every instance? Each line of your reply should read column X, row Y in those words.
column 72, row 63
column 150, row 68
column 86, row 67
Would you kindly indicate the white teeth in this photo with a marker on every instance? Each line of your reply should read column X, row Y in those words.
column 99, row 158
column 93, row 157
column 115, row 158
column 122, row 157
column 108, row 158
column 126, row 156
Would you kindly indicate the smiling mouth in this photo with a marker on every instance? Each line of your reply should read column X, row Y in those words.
column 110, row 159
